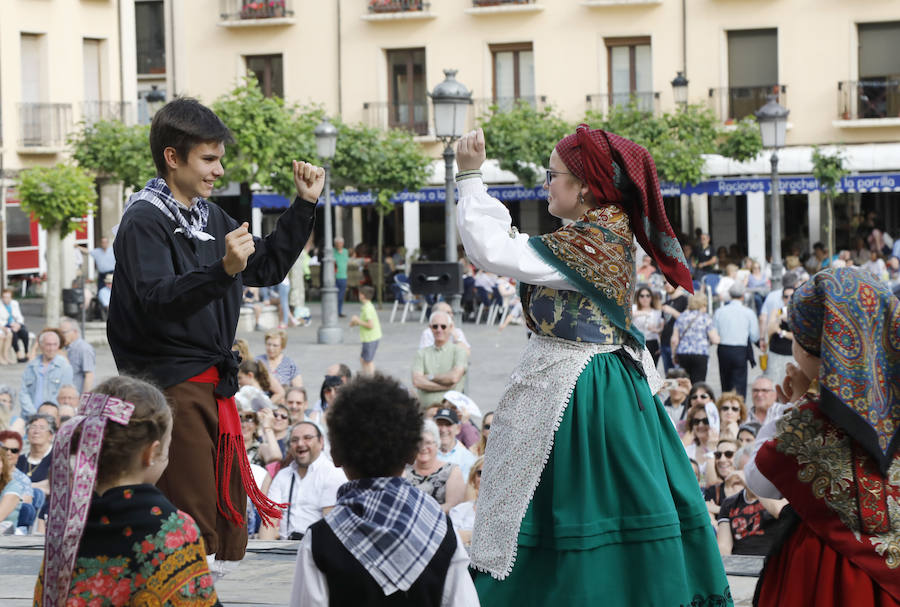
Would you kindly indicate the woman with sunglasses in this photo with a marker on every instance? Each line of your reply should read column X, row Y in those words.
column 580, row 408
column 699, row 438
column 647, row 317
column 716, row 489
column 15, row 486
column 478, row 448
column 732, row 413
column 832, row 450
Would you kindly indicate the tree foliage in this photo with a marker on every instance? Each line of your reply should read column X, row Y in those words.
column 743, row 143
column 111, row 150
column 268, row 134
column 521, row 138
column 57, row 195
column 828, row 168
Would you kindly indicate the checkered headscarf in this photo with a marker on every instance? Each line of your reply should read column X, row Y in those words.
column 392, row 528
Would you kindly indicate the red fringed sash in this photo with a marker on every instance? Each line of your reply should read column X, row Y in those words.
column 231, row 442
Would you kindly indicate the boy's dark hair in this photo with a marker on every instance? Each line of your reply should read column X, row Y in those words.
column 374, row 426
column 367, row 291
column 182, row 124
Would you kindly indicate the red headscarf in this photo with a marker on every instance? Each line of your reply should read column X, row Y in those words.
column 598, row 158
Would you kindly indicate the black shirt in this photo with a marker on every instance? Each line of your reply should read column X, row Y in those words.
column 680, row 303
column 174, row 311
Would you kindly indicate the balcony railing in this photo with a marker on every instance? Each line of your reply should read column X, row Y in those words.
column 875, row 98
column 397, row 6
column 95, row 111
column 480, row 3
column 733, row 103
column 481, row 108
column 44, row 125
column 253, row 10
column 645, row 101
column 385, row 114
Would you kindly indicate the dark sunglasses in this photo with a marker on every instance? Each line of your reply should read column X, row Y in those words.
column 728, row 454
column 700, row 420
column 478, row 473
column 441, row 327
column 14, row 450
column 485, row 426
column 735, row 409
column 700, row 395
column 281, row 415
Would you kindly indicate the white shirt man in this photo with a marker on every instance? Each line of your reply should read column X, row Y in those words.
column 309, row 485
column 450, row 449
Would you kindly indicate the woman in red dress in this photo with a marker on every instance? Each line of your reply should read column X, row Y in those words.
column 832, row 450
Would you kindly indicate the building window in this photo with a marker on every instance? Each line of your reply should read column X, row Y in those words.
column 879, row 70
column 752, row 70
column 513, row 77
column 630, row 72
column 151, row 38
column 269, row 71
column 408, row 102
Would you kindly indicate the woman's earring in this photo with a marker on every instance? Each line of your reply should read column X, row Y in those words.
column 580, row 198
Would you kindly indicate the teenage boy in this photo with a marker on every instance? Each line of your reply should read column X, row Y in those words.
column 369, row 330
column 181, row 263
column 385, row 542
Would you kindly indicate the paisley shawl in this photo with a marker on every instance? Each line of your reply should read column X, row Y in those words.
column 851, row 321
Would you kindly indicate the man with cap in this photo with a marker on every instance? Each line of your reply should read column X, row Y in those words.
column 105, row 292
column 738, row 328
column 450, row 449
column 466, row 410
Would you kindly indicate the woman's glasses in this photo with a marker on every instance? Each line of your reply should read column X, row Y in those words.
column 485, row 426
column 549, row 175
column 478, row 473
column 14, row 450
column 700, row 420
column 700, row 395
column 734, row 408
column 248, row 418
column 281, row 416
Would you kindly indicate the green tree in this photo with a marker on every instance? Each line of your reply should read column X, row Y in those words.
column 115, row 152
column 56, row 196
column 268, row 134
column 828, row 169
column 521, row 138
column 384, row 162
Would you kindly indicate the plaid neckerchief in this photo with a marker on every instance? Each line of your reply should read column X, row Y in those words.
column 157, row 193
column 392, row 528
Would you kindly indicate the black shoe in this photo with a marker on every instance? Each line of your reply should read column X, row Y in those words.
column 342, row 316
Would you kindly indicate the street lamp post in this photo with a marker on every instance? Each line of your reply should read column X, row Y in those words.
column 330, row 332
column 451, row 104
column 772, row 119
column 680, row 90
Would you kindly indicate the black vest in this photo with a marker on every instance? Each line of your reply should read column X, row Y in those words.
column 350, row 584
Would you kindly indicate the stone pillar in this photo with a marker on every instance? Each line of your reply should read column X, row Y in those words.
column 685, row 227
column 339, row 226
column 756, row 226
column 411, row 229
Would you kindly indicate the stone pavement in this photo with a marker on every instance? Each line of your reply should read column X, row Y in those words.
column 264, row 578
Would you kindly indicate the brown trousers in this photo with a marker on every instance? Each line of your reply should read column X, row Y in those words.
column 190, row 480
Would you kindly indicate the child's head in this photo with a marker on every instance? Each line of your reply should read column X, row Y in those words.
column 254, row 373
column 143, row 444
column 180, row 127
column 366, row 293
column 374, row 426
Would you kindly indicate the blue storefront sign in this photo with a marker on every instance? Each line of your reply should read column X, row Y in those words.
column 738, row 186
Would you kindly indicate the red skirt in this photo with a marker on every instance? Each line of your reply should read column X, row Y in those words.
column 807, row 571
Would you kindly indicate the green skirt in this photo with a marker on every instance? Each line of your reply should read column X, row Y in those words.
column 618, row 517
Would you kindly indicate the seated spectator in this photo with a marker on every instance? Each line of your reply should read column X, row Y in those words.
column 10, row 448
column 677, row 404
column 384, row 543
column 747, row 433
column 465, row 408
column 716, row 474
column 9, row 418
column 280, row 366
column 456, row 334
column 442, row 481
column 336, row 375
column 255, row 298
column 295, row 399
column 308, row 485
column 762, row 393
column 478, row 448
column 106, row 559
column 12, row 490
column 440, row 367
column 45, row 374
column 463, row 515
column 11, row 318
column 450, row 449
column 747, row 524
column 699, row 440
column 732, row 413
column 701, row 393
column 36, row 462
column 258, row 428
column 104, row 294
column 254, row 373
column 242, row 348
column 68, row 395
column 51, row 409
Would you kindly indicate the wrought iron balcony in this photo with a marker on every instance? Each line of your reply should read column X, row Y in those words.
column 872, row 98
column 44, row 125
column 645, row 101
column 254, row 12
column 481, row 108
column 397, row 6
column 733, row 103
column 480, row 3
column 385, row 114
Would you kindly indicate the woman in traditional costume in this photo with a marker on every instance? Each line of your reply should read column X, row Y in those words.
column 586, row 486
column 832, row 452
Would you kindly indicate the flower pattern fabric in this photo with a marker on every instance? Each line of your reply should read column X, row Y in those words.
column 693, row 327
column 139, row 550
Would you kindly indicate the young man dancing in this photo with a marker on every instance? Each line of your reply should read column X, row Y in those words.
column 181, row 264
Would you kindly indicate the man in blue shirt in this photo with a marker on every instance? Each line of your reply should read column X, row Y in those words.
column 104, row 259
column 738, row 327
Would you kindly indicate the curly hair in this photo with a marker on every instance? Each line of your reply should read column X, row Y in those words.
column 374, row 426
column 151, row 418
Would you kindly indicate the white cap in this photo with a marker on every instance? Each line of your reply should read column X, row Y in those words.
column 463, row 403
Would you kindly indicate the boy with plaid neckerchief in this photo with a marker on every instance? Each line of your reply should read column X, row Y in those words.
column 384, row 542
